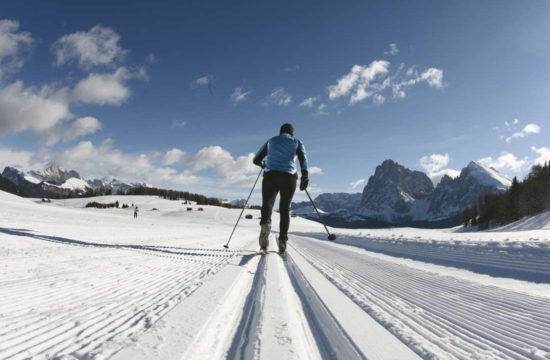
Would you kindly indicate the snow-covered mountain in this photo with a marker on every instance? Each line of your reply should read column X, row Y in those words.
column 58, row 181
column 452, row 196
column 395, row 195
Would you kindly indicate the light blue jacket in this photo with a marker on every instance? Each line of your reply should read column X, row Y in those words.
column 281, row 152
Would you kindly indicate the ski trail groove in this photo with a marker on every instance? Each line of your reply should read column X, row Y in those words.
column 331, row 339
column 75, row 314
column 246, row 341
column 438, row 316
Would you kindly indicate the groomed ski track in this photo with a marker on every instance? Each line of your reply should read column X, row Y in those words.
column 92, row 285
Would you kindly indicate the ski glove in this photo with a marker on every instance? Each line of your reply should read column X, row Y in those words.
column 304, row 182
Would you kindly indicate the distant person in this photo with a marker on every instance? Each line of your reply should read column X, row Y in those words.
column 278, row 158
column 136, row 210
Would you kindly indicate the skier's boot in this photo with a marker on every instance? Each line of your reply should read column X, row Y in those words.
column 264, row 236
column 282, row 244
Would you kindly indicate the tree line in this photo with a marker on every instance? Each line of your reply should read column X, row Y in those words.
column 528, row 197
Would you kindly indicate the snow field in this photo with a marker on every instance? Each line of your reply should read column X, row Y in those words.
column 96, row 284
column 438, row 317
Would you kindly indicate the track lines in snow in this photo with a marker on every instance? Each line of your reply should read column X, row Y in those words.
column 523, row 263
column 246, row 341
column 106, row 302
column 438, row 316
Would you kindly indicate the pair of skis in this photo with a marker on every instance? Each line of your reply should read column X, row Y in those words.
column 265, row 252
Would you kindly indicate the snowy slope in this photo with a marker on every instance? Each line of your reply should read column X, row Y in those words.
column 87, row 283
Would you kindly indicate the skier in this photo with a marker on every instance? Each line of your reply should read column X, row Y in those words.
column 136, row 210
column 278, row 159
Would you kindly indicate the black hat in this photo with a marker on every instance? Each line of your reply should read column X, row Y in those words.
column 287, row 128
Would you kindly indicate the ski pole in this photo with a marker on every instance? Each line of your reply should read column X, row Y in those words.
column 242, row 211
column 331, row 237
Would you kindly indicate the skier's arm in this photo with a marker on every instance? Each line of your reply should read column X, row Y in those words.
column 302, row 157
column 260, row 155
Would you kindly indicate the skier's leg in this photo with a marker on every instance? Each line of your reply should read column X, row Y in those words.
column 288, row 187
column 269, row 194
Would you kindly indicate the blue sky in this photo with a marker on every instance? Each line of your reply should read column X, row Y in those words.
column 179, row 95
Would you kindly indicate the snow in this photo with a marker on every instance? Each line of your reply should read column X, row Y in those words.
column 32, row 179
column 488, row 175
column 75, row 184
column 87, row 283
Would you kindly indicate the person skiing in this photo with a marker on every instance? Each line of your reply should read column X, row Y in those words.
column 136, row 210
column 278, row 159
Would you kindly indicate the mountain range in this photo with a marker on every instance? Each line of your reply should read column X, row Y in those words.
column 397, row 196
column 57, row 182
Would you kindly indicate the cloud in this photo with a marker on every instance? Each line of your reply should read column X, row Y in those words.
column 98, row 46
column 106, row 161
column 278, row 97
column 506, row 161
column 233, row 171
column 372, row 81
column 358, row 81
column 321, row 110
column 239, row 94
column 543, row 155
column 392, row 49
column 16, row 158
column 31, row 109
column 315, row 170
column 12, row 45
column 206, row 81
column 178, row 124
column 378, row 99
column 106, row 88
column 174, row 156
column 529, row 129
column 309, row 102
column 80, row 127
column 355, row 184
column 435, row 166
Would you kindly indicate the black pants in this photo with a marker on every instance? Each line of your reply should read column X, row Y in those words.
column 273, row 183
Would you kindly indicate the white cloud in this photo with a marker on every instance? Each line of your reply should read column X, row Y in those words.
column 399, row 83
column 543, row 155
column 98, row 46
column 372, row 81
column 279, row 97
column 506, row 161
column 309, row 102
column 174, row 156
column 239, row 94
column 106, row 161
column 16, row 158
column 355, row 184
column 321, row 109
column 234, row 171
column 392, row 49
column 31, row 109
column 378, row 99
column 202, row 81
column 315, row 170
column 359, row 80
column 529, row 129
column 435, row 166
column 434, row 162
column 178, row 124
column 12, row 45
column 106, row 88
column 80, row 127
column 433, row 76
column 508, row 124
